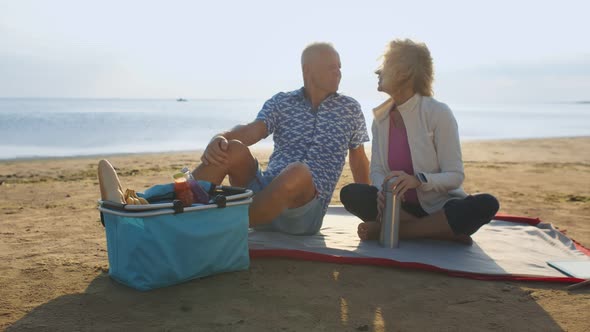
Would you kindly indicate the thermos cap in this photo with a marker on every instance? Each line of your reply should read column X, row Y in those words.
column 389, row 183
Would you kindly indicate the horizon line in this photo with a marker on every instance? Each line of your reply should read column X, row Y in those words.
column 188, row 99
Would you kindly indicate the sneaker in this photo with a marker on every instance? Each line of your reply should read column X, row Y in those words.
column 110, row 186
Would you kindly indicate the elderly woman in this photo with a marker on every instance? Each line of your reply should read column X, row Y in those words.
column 416, row 139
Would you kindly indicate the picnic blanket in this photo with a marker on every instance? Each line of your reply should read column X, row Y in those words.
column 508, row 248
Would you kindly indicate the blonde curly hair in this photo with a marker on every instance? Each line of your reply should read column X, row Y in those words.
column 407, row 64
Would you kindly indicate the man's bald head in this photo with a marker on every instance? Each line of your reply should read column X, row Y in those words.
column 320, row 64
column 312, row 51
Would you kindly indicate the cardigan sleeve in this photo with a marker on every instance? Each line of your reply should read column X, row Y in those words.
column 448, row 153
column 377, row 167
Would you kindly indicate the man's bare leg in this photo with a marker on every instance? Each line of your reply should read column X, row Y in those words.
column 292, row 188
column 240, row 166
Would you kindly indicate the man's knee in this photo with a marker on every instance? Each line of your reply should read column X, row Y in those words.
column 297, row 180
column 238, row 153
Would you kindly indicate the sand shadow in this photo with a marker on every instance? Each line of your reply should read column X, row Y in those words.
column 288, row 295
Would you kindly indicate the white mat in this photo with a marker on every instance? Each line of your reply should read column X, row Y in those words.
column 500, row 248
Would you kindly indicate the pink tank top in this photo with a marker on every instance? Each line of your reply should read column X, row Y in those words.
column 399, row 156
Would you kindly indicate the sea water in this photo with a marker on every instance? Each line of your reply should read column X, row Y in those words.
column 31, row 128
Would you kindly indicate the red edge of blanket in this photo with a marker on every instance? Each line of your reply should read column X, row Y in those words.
column 311, row 256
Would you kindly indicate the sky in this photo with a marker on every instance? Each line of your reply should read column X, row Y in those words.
column 484, row 52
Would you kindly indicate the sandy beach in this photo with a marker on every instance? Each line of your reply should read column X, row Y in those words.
column 54, row 266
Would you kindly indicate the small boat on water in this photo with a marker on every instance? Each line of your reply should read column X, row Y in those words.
column 181, row 99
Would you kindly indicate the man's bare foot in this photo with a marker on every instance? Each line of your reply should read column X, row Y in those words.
column 369, row 230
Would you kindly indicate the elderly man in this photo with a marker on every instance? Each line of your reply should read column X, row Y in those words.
column 313, row 129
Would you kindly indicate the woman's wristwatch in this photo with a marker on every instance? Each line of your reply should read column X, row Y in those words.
column 421, row 177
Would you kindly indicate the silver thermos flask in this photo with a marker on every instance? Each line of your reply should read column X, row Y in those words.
column 389, row 236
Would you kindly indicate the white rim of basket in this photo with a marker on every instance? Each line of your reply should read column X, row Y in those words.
column 168, row 208
column 163, row 211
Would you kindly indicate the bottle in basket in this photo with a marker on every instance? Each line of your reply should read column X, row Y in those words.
column 200, row 194
column 182, row 190
column 389, row 236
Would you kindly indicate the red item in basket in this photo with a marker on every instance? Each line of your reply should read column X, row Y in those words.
column 183, row 191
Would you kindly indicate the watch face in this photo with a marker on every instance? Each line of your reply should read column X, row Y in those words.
column 422, row 177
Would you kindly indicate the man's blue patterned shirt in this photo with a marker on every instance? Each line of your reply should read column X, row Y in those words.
column 318, row 138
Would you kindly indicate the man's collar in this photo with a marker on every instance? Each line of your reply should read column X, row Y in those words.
column 301, row 94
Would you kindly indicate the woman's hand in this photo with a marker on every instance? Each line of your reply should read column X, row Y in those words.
column 403, row 183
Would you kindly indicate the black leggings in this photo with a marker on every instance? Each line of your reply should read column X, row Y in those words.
column 465, row 215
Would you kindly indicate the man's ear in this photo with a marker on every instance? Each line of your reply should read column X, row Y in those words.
column 305, row 69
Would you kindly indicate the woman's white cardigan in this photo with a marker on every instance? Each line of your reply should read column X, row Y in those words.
column 434, row 143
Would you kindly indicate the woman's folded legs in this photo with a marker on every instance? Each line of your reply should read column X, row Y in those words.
column 457, row 221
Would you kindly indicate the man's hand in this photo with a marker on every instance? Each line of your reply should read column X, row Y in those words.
column 216, row 152
column 403, row 183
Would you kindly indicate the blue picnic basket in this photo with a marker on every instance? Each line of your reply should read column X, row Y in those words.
column 162, row 244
